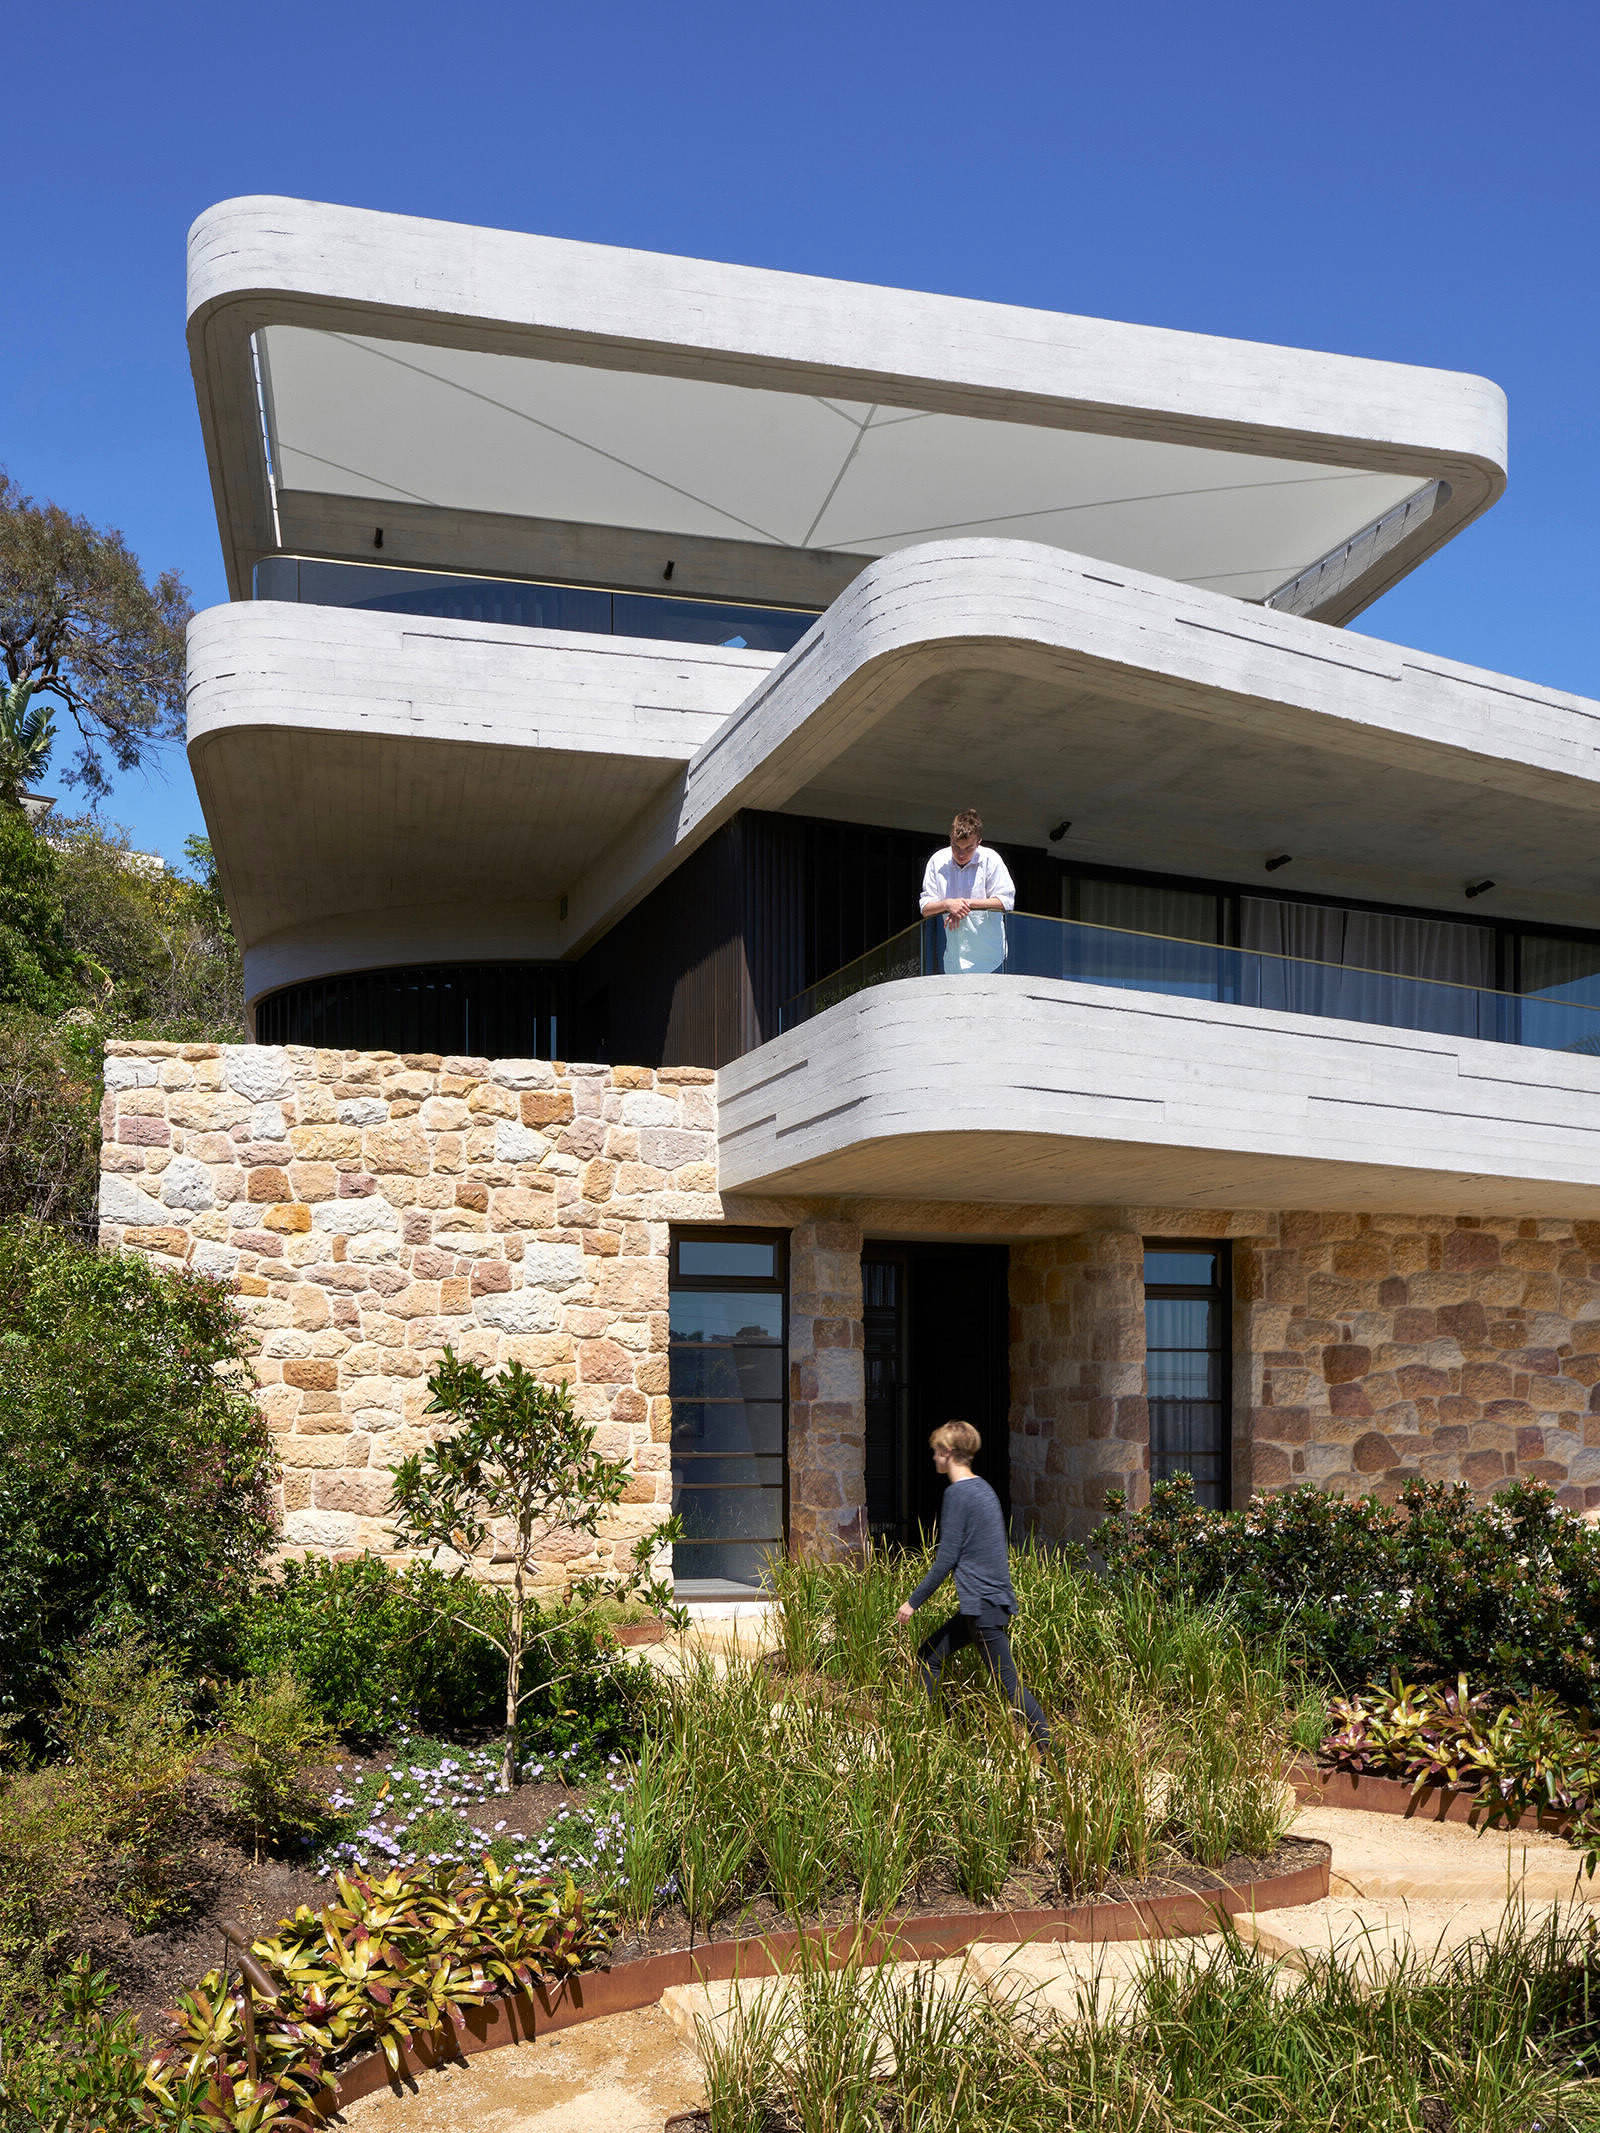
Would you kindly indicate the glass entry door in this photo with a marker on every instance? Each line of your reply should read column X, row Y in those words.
column 728, row 1379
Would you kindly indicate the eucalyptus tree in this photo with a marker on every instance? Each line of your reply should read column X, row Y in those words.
column 82, row 626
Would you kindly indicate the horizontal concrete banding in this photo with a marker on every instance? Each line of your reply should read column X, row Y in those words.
column 391, row 788
column 1001, row 1088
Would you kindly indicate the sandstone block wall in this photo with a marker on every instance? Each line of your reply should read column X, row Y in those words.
column 1377, row 1347
column 827, row 1388
column 1368, row 1350
column 368, row 1208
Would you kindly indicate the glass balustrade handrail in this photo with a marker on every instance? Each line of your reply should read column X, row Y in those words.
column 1024, row 945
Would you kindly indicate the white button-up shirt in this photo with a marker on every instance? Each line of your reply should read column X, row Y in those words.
column 978, row 943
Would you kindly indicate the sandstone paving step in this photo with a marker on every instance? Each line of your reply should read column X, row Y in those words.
column 1391, row 1856
column 1066, row 1981
column 626, row 2073
column 717, row 2003
column 1377, row 1934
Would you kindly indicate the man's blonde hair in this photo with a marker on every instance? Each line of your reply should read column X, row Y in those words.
column 969, row 823
column 959, row 1439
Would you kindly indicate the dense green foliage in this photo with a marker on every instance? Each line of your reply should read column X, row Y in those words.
column 1489, row 2041
column 382, row 1960
column 377, row 1650
column 94, row 945
column 1530, row 1754
column 1435, row 1585
column 37, row 962
column 134, row 1467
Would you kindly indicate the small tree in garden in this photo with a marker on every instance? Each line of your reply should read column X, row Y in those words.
column 521, row 1466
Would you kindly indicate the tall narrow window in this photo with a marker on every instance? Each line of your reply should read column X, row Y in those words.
column 728, row 1379
column 1186, row 1366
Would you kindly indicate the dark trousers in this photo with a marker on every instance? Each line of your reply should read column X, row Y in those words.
column 994, row 1642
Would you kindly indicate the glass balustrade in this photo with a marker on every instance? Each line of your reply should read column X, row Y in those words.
column 1030, row 947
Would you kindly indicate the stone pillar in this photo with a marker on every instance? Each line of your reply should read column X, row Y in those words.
column 1080, row 1421
column 827, row 1390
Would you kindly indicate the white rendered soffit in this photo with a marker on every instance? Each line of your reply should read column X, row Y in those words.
column 259, row 262
column 927, row 613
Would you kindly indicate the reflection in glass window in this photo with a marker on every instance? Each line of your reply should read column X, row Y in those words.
column 1186, row 1367
column 728, row 1371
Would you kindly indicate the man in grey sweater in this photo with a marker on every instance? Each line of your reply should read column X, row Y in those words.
column 974, row 1551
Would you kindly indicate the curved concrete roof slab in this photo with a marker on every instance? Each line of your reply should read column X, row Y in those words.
column 1097, row 1097
column 1177, row 730
column 442, row 372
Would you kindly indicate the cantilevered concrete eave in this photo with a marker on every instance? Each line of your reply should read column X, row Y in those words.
column 998, row 1090
column 386, row 789
column 1428, row 774
column 261, row 260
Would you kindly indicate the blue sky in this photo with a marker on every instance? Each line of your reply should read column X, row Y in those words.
column 1415, row 181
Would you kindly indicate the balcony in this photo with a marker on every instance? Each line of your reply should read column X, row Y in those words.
column 1097, row 1067
column 1025, row 946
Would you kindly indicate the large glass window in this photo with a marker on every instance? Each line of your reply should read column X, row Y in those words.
column 729, row 1377
column 530, row 605
column 1186, row 1366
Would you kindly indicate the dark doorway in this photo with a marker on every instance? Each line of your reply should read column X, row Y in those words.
column 937, row 1330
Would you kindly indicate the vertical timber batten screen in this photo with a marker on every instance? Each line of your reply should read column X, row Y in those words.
column 728, row 1359
column 1187, row 1347
column 475, row 1010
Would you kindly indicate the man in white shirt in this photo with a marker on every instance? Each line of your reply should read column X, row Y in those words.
column 967, row 884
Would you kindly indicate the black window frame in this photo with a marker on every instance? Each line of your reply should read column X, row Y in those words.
column 777, row 1283
column 1219, row 1291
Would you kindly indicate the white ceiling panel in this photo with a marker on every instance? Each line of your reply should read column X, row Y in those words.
column 352, row 415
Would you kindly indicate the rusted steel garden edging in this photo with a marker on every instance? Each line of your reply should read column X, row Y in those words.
column 597, row 1993
column 1393, row 1796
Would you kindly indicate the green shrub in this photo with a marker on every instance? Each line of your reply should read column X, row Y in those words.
column 49, row 1122
column 134, row 1467
column 379, row 1651
column 1529, row 1754
column 38, row 968
column 1434, row 1585
column 73, row 2065
column 124, row 1725
column 274, row 1747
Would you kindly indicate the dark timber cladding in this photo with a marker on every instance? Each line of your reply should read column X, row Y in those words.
column 697, row 973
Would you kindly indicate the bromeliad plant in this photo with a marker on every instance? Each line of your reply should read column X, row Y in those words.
column 388, row 1960
column 521, row 1468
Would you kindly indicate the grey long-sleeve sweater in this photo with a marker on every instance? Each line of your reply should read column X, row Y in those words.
column 973, row 1549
